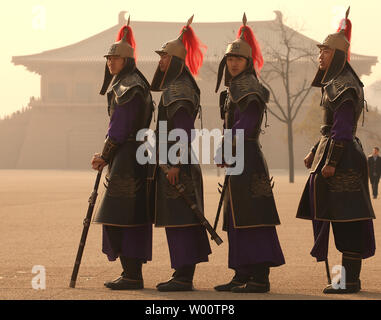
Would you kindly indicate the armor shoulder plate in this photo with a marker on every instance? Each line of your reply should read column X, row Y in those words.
column 244, row 102
column 173, row 107
column 342, row 88
column 182, row 89
column 128, row 87
column 246, row 88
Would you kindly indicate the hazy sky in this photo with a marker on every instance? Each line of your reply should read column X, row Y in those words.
column 70, row 21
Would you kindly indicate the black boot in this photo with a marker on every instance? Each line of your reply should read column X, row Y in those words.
column 182, row 280
column 108, row 283
column 239, row 279
column 258, row 283
column 351, row 263
column 131, row 277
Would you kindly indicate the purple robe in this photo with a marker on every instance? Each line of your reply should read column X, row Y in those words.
column 187, row 245
column 132, row 242
column 248, row 246
column 122, row 120
column 246, row 120
column 342, row 128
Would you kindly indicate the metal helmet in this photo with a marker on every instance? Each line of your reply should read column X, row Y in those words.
column 124, row 47
column 340, row 43
column 176, row 46
column 245, row 46
column 185, row 54
column 240, row 47
column 336, row 41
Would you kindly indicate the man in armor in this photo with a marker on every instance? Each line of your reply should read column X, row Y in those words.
column 337, row 191
column 179, row 105
column 250, row 213
column 127, row 226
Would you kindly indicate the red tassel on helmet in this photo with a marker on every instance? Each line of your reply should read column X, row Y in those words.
column 193, row 45
column 346, row 25
column 129, row 37
column 255, row 48
column 347, row 32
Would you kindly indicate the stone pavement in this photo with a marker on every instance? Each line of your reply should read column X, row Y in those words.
column 41, row 214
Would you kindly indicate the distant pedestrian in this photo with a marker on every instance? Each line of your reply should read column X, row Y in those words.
column 374, row 165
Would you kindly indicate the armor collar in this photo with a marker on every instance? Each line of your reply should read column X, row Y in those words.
column 132, row 79
column 244, row 84
column 183, row 88
column 347, row 79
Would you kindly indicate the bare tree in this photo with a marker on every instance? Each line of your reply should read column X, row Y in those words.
column 309, row 127
column 290, row 55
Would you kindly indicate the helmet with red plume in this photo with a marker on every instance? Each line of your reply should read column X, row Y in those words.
column 125, row 43
column 341, row 39
column 187, row 47
column 339, row 42
column 247, row 46
column 345, row 28
column 185, row 54
column 124, row 47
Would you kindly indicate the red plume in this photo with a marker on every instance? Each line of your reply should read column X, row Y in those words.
column 129, row 38
column 193, row 45
column 347, row 31
column 255, row 48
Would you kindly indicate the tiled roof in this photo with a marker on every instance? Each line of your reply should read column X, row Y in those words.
column 151, row 35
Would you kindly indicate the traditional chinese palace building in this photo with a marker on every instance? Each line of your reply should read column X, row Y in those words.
column 67, row 124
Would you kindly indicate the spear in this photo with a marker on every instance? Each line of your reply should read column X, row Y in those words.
column 86, row 225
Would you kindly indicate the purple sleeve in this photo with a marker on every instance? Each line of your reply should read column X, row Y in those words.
column 182, row 120
column 248, row 119
column 122, row 120
column 343, row 121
